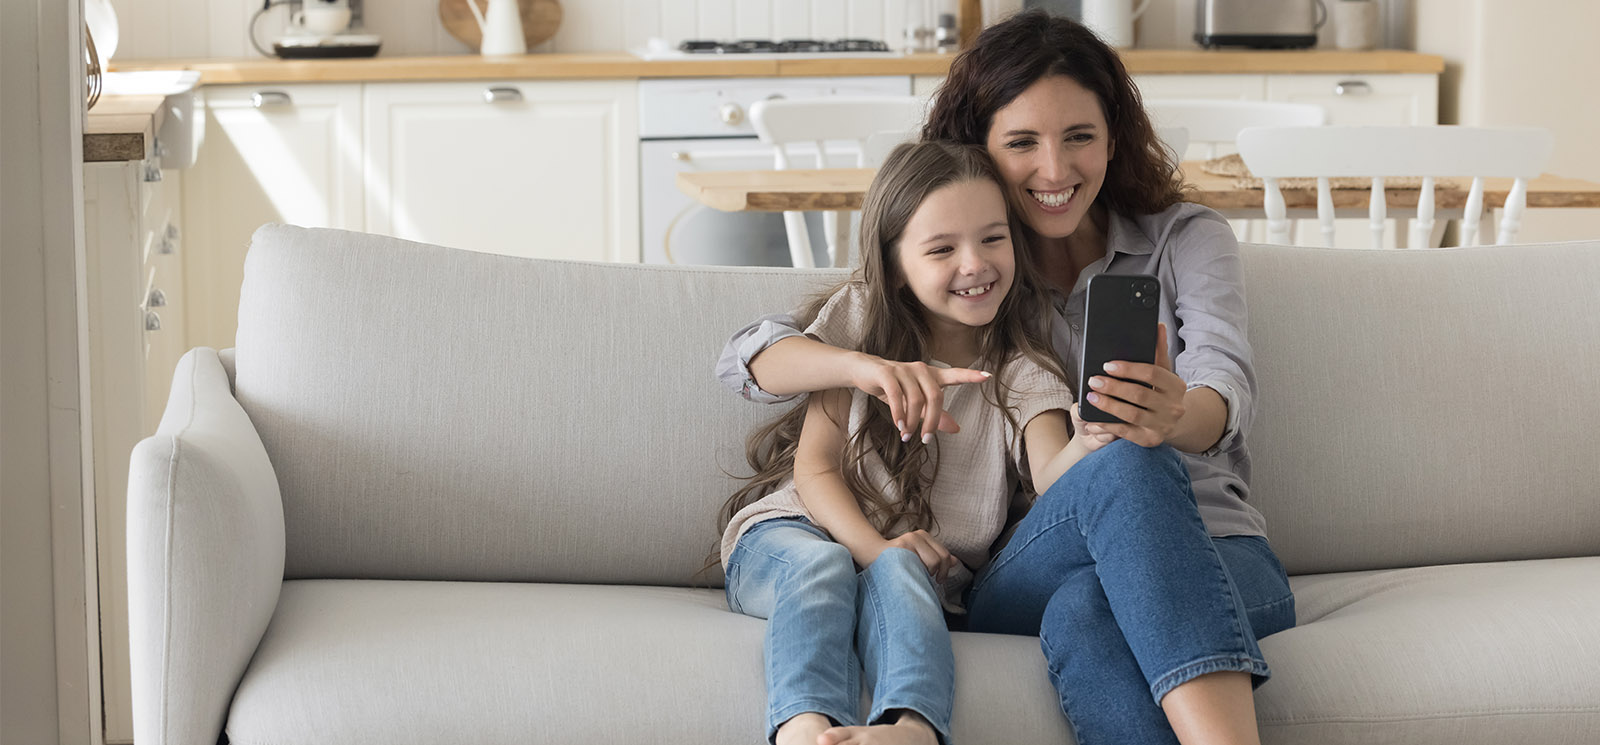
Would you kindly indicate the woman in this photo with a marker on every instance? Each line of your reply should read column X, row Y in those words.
column 1144, row 572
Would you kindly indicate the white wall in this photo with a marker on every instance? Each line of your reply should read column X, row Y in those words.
column 1529, row 63
column 45, row 683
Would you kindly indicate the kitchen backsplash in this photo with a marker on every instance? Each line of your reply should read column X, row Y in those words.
column 166, row 29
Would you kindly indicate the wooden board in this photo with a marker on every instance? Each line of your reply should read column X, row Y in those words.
column 540, row 19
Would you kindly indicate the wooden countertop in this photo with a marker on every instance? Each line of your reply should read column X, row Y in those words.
column 121, row 128
column 627, row 66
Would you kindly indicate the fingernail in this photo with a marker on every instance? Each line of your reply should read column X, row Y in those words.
column 984, row 374
column 927, row 439
column 1112, row 367
column 1094, row 398
column 1096, row 383
column 900, row 425
column 905, row 437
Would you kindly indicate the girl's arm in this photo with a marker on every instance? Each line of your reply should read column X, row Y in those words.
column 819, row 479
column 1052, row 449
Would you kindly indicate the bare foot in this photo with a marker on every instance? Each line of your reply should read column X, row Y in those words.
column 911, row 729
column 803, row 729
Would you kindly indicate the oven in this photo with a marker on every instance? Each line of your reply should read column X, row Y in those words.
column 702, row 124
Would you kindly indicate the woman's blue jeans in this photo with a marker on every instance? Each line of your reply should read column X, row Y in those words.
column 820, row 613
column 1114, row 571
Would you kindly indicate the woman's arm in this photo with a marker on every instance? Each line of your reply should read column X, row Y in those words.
column 819, row 479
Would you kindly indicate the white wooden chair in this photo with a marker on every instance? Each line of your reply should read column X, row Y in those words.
column 825, row 123
column 1273, row 153
column 1217, row 124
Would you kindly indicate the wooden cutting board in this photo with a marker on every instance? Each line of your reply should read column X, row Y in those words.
column 540, row 19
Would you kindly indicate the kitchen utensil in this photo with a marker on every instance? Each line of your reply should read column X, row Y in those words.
column 1266, row 24
column 320, row 18
column 540, row 19
column 1355, row 24
column 1113, row 20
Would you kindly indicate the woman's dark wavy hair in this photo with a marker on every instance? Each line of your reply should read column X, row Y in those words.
column 1142, row 177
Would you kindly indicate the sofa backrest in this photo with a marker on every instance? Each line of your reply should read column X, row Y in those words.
column 442, row 414
column 1425, row 406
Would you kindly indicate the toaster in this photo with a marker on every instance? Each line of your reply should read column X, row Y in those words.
column 1259, row 24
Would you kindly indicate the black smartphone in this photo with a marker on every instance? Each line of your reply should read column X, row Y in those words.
column 1120, row 319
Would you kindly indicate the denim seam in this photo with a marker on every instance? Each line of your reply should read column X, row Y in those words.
column 1215, row 663
column 1061, row 691
column 1285, row 600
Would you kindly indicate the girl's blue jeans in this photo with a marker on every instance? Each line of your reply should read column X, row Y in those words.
column 1113, row 570
column 826, row 622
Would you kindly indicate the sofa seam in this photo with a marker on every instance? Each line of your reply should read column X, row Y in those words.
column 1429, row 717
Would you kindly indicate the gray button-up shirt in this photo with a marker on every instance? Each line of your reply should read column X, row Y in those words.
column 1192, row 250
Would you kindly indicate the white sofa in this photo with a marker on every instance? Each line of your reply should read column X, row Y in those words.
column 436, row 496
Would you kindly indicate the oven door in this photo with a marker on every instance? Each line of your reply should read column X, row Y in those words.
column 675, row 229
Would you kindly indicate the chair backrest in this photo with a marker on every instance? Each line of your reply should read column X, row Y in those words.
column 1217, row 123
column 1175, row 138
column 1274, row 153
column 817, row 121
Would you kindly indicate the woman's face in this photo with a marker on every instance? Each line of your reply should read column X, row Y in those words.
column 1052, row 146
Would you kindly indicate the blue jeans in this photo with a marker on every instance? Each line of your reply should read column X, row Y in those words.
column 825, row 622
column 1114, row 571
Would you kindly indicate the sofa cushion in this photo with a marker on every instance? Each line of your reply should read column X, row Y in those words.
column 441, row 414
column 393, row 663
column 1453, row 655
column 1425, row 407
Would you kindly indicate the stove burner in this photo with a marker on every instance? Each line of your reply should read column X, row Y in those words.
column 789, row 46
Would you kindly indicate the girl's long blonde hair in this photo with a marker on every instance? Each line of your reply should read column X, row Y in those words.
column 894, row 328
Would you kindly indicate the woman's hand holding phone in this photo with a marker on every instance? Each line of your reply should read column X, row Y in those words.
column 1149, row 415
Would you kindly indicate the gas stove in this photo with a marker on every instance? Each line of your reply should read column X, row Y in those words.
column 660, row 49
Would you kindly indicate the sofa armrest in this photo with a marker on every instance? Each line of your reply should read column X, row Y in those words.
column 205, row 557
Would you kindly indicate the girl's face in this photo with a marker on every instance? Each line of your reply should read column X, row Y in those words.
column 956, row 255
column 1052, row 146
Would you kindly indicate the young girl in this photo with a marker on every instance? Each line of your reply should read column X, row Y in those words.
column 853, row 534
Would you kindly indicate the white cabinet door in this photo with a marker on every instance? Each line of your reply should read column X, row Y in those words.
column 1391, row 99
column 537, row 169
column 277, row 153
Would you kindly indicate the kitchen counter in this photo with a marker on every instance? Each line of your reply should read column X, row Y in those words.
column 620, row 65
column 122, row 128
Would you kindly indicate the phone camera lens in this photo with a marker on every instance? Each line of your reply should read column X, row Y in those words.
column 1149, row 302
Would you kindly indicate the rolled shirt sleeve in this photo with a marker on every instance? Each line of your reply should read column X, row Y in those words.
column 839, row 323
column 733, row 367
column 1210, row 307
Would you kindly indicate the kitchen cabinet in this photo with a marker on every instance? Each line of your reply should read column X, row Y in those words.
column 544, row 169
column 1363, row 99
column 133, row 249
column 272, row 153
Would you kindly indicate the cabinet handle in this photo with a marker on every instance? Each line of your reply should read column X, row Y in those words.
column 152, row 321
column 1351, row 88
column 680, row 155
column 158, row 299
column 263, row 99
column 502, row 95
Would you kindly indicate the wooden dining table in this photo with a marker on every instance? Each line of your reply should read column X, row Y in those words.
column 843, row 188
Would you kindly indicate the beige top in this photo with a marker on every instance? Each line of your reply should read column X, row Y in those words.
column 979, row 469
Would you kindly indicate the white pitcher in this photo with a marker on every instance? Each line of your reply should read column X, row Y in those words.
column 1113, row 20
column 501, row 26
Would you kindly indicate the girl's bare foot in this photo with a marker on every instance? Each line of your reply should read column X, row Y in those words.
column 803, row 729
column 910, row 729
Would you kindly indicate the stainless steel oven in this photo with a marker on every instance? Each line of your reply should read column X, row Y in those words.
column 701, row 124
